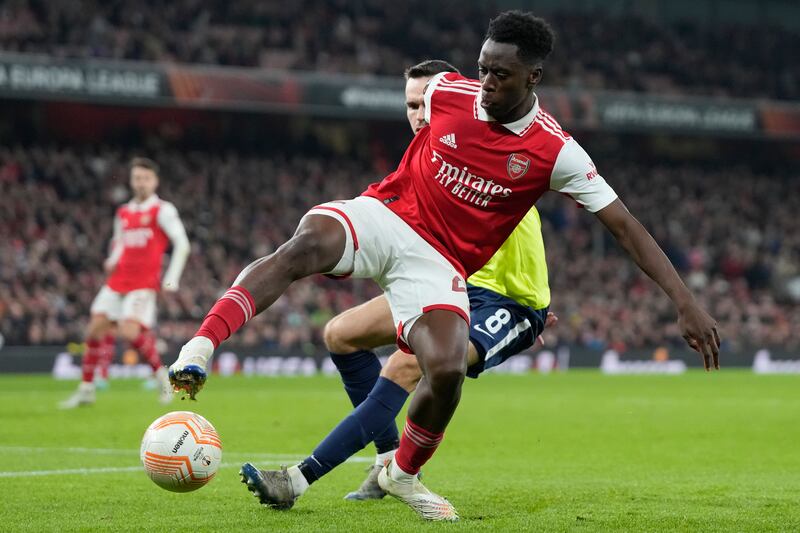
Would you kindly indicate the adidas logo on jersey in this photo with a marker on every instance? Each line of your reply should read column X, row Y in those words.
column 449, row 140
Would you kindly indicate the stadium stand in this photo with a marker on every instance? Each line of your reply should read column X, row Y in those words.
column 729, row 233
column 601, row 51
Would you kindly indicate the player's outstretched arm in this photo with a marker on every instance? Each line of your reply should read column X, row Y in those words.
column 316, row 247
column 697, row 326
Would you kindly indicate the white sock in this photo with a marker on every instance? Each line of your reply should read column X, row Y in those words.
column 86, row 386
column 299, row 482
column 383, row 458
column 397, row 474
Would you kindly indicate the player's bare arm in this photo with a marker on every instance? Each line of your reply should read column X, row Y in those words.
column 697, row 326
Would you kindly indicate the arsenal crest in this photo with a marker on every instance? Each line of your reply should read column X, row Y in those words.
column 517, row 166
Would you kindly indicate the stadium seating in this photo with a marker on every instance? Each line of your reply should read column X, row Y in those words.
column 728, row 232
column 593, row 50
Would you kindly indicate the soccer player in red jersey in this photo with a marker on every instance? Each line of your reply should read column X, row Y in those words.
column 143, row 230
column 462, row 186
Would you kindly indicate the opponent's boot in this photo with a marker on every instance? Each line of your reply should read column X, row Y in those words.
column 272, row 487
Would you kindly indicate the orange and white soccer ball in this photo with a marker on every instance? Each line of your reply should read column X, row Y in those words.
column 181, row 451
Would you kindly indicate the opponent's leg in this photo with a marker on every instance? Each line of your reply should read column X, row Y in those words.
column 350, row 337
column 402, row 369
column 439, row 339
column 316, row 247
column 280, row 488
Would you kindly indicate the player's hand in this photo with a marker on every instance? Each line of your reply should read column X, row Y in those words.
column 700, row 332
column 188, row 374
column 109, row 266
column 550, row 321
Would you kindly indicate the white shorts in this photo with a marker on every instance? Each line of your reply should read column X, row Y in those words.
column 413, row 275
column 138, row 305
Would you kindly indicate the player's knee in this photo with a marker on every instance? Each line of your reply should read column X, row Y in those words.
column 334, row 335
column 97, row 328
column 129, row 331
column 445, row 374
column 403, row 370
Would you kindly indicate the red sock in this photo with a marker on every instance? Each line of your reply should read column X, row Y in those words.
column 90, row 358
column 417, row 445
column 145, row 344
column 107, row 354
column 228, row 315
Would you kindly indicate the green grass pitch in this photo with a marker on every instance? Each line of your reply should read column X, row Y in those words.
column 566, row 452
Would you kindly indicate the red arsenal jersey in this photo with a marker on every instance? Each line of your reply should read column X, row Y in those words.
column 466, row 181
column 140, row 239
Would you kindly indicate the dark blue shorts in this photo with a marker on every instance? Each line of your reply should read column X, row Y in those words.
column 500, row 327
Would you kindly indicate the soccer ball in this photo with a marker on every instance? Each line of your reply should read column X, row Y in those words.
column 181, row 451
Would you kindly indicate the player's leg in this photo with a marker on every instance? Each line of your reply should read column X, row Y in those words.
column 500, row 329
column 107, row 348
column 439, row 338
column 318, row 246
column 402, row 369
column 350, row 338
column 364, row 327
column 398, row 378
column 136, row 328
column 106, row 308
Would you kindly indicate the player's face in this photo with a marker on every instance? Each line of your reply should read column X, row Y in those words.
column 144, row 182
column 506, row 82
column 415, row 105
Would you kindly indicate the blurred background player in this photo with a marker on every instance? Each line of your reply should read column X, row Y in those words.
column 509, row 298
column 143, row 230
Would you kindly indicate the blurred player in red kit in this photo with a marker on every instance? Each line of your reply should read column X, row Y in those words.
column 143, row 230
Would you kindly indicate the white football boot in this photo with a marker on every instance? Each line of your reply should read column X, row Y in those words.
column 413, row 493
column 85, row 395
column 188, row 373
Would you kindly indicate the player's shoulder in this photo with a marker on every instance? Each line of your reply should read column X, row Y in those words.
column 547, row 135
column 122, row 208
column 549, row 128
column 455, row 82
column 166, row 208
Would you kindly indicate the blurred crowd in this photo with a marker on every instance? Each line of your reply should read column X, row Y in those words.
column 594, row 50
column 729, row 231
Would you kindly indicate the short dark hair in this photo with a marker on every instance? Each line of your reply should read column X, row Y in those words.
column 533, row 35
column 144, row 162
column 429, row 67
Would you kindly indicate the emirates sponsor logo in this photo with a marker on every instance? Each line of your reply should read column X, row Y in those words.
column 137, row 237
column 517, row 166
column 465, row 185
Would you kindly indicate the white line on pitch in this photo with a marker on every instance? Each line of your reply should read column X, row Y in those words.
column 129, row 452
column 265, row 459
column 118, row 469
column 102, row 470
